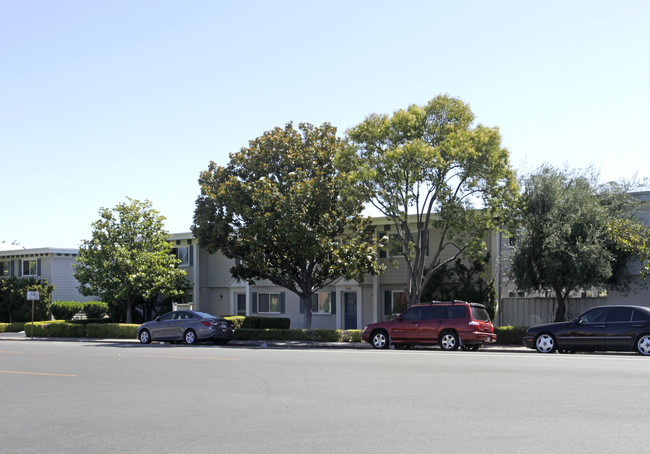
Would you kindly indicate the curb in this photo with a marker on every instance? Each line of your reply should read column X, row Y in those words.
column 20, row 337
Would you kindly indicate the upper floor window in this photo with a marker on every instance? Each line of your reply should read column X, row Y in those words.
column 182, row 253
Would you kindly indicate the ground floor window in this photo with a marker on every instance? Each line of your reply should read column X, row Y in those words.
column 321, row 303
column 268, row 302
column 30, row 267
column 5, row 268
column 400, row 303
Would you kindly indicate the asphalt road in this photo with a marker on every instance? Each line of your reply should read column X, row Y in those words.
column 63, row 397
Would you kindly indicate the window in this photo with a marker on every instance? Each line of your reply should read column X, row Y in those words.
column 399, row 301
column 30, row 267
column 412, row 314
column 598, row 315
column 5, row 268
column 455, row 311
column 619, row 314
column 395, row 244
column 268, row 302
column 182, row 253
column 321, row 303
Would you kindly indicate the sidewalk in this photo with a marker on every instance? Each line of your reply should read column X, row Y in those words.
column 277, row 344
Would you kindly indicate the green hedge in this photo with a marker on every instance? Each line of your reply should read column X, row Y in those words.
column 238, row 320
column 95, row 309
column 510, row 335
column 321, row 335
column 15, row 327
column 55, row 328
column 112, row 330
column 65, row 310
column 256, row 322
column 60, row 328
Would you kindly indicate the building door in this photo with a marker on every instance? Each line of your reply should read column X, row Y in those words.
column 241, row 304
column 350, row 309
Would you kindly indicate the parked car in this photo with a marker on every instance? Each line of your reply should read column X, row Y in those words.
column 187, row 326
column 618, row 328
column 451, row 324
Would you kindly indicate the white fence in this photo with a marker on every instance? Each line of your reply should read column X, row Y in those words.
column 535, row 311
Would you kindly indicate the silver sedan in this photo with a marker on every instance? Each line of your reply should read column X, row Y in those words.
column 187, row 326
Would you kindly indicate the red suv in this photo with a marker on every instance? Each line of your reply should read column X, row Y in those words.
column 451, row 324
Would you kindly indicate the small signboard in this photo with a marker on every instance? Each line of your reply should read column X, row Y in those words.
column 33, row 296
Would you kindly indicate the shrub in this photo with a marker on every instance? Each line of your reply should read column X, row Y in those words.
column 55, row 328
column 65, row 310
column 319, row 335
column 238, row 320
column 112, row 330
column 95, row 309
column 510, row 335
column 15, row 327
column 256, row 322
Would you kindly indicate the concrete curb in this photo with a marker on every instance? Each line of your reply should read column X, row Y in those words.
column 275, row 344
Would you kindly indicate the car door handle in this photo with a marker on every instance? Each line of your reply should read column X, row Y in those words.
column 600, row 326
column 637, row 326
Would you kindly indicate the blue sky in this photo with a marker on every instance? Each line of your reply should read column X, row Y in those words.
column 100, row 100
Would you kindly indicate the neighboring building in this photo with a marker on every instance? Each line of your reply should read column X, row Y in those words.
column 53, row 264
column 531, row 308
column 639, row 293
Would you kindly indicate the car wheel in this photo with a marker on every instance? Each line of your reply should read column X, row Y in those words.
column 144, row 336
column 449, row 341
column 643, row 345
column 545, row 343
column 190, row 337
column 379, row 339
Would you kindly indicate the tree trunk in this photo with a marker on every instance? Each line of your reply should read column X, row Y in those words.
column 306, row 323
column 129, row 311
column 560, row 312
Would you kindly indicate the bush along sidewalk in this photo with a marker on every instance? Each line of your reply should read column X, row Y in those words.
column 61, row 328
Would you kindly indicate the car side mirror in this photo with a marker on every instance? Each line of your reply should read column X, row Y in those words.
column 158, row 319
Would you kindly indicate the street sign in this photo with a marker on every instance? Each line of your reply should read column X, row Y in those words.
column 33, row 296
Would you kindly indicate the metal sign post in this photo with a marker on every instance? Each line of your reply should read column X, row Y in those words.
column 33, row 296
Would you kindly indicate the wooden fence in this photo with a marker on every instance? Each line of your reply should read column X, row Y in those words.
column 535, row 311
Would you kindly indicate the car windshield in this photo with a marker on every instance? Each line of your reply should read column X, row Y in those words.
column 479, row 313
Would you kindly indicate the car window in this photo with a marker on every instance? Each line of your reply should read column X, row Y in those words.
column 597, row 315
column 412, row 314
column 640, row 316
column 479, row 313
column 455, row 312
column 433, row 312
column 619, row 314
column 167, row 316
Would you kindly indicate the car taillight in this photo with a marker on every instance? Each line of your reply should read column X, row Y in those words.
column 207, row 323
column 475, row 325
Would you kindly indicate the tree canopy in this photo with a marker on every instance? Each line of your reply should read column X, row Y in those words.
column 128, row 261
column 430, row 167
column 282, row 209
column 575, row 233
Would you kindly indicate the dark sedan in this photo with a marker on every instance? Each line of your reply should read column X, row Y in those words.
column 187, row 326
column 616, row 328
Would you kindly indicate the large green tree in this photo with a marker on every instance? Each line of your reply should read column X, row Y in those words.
column 129, row 261
column 428, row 167
column 575, row 233
column 286, row 213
